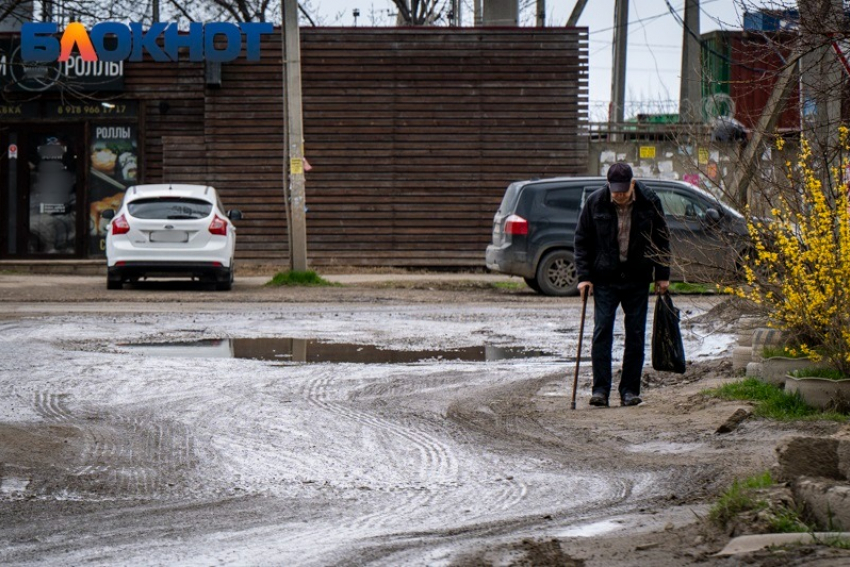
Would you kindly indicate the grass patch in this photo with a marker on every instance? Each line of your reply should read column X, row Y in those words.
column 739, row 498
column 691, row 288
column 685, row 288
column 771, row 402
column 297, row 278
column 748, row 501
column 828, row 373
column 836, row 542
column 513, row 286
column 743, row 497
column 788, row 521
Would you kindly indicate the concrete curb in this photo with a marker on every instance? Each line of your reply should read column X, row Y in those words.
column 751, row 543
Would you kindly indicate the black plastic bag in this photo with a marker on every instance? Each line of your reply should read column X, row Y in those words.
column 668, row 352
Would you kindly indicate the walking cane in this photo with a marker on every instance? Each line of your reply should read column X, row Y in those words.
column 584, row 295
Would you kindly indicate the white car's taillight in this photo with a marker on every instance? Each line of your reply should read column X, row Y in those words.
column 218, row 226
column 120, row 225
column 516, row 225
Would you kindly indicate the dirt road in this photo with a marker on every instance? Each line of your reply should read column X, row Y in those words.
column 257, row 443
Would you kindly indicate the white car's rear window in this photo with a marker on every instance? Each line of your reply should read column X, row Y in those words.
column 174, row 208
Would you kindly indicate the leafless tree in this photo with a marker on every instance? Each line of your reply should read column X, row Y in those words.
column 421, row 12
column 181, row 11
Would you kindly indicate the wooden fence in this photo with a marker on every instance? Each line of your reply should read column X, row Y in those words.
column 412, row 134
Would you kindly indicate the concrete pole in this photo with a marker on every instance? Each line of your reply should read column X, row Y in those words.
column 618, row 79
column 823, row 80
column 541, row 13
column 479, row 15
column 690, row 86
column 295, row 142
column 576, row 13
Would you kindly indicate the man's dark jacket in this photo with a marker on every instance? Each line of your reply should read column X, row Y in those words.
column 597, row 252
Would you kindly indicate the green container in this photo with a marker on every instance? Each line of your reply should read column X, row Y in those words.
column 716, row 66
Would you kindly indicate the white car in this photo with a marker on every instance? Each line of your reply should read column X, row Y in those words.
column 171, row 230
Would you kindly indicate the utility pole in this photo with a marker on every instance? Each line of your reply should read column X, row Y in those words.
column 295, row 139
column 822, row 79
column 155, row 5
column 616, row 114
column 576, row 14
column 479, row 16
column 690, row 85
column 541, row 13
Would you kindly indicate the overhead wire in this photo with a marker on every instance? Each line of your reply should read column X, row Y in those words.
column 704, row 45
column 654, row 58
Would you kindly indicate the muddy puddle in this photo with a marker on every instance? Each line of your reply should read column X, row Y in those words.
column 313, row 351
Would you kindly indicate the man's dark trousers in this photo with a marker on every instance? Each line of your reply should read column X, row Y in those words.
column 634, row 297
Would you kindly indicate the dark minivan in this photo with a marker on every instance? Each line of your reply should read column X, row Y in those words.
column 534, row 227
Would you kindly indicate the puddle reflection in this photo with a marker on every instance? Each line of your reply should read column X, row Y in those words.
column 312, row 351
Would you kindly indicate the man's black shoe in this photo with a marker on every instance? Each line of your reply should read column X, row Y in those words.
column 599, row 400
column 630, row 399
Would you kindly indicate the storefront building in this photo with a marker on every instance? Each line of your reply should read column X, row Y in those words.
column 412, row 134
column 70, row 149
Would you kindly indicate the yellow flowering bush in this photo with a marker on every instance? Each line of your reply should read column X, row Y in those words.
column 800, row 272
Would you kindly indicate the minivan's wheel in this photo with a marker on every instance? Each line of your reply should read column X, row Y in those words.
column 532, row 283
column 556, row 274
column 114, row 283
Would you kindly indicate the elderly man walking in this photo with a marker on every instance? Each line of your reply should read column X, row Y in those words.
column 622, row 244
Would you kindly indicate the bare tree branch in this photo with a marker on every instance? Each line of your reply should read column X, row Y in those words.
column 419, row 12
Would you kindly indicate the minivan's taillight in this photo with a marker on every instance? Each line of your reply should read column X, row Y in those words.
column 218, row 226
column 516, row 225
column 120, row 225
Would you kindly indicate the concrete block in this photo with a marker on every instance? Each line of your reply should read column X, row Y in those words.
column 751, row 543
column 844, row 458
column 809, row 456
column 826, row 501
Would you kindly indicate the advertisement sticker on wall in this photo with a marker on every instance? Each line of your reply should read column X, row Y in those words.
column 113, row 166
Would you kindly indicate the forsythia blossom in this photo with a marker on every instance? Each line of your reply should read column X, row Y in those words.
column 802, row 265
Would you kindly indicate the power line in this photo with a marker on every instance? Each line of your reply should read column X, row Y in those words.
column 707, row 47
column 642, row 20
column 652, row 53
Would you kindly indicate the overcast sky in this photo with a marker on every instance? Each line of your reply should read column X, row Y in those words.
column 655, row 40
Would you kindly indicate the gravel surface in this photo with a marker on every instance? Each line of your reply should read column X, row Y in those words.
column 115, row 454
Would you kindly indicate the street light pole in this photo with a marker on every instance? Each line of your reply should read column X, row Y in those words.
column 295, row 137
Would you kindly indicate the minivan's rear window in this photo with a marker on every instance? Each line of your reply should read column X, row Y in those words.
column 509, row 200
column 568, row 198
column 174, row 208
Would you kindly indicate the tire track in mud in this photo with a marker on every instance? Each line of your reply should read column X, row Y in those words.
column 505, row 417
column 436, row 463
column 120, row 456
column 476, row 495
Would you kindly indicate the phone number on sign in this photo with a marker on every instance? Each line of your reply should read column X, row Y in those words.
column 90, row 110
